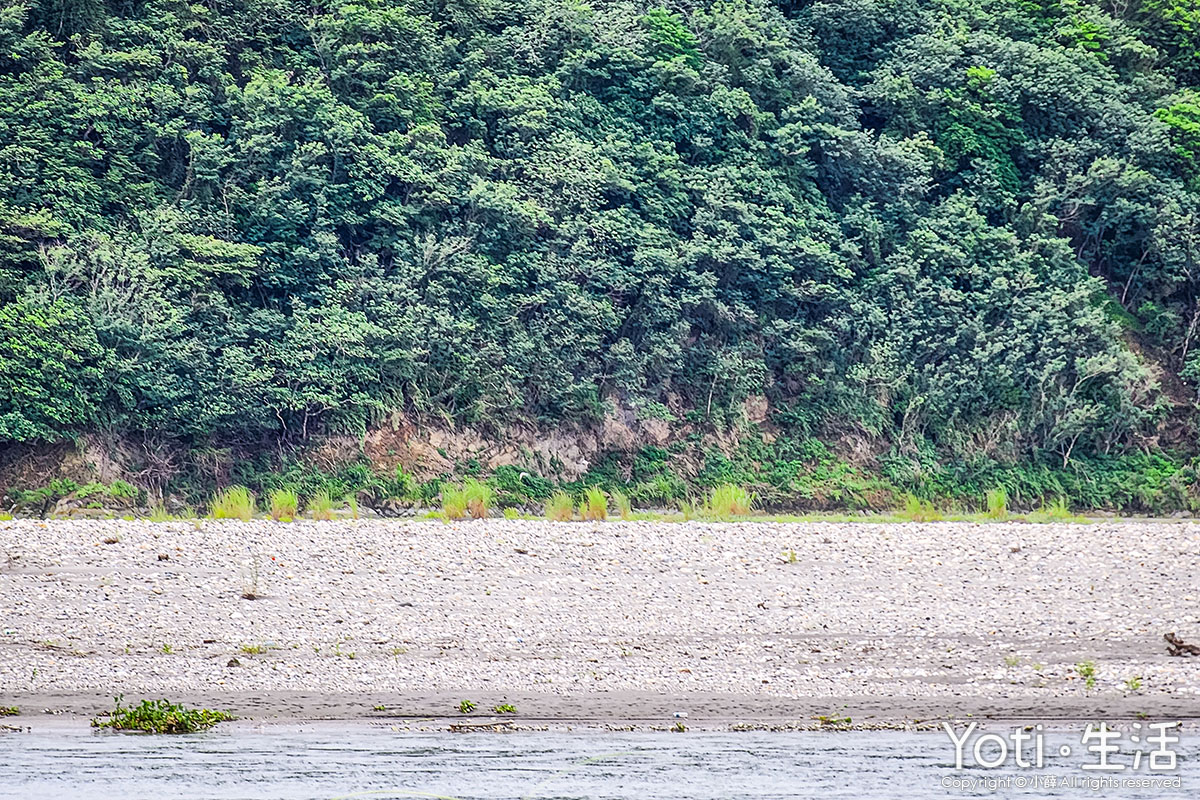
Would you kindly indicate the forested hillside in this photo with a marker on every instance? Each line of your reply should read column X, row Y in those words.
column 965, row 231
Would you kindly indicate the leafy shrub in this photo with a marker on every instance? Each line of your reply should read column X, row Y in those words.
column 160, row 716
column 285, row 505
column 121, row 489
column 595, row 504
column 236, row 502
column 559, row 507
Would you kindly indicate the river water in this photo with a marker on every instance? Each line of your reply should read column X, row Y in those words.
column 324, row 762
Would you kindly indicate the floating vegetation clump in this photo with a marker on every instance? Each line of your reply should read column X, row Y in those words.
column 159, row 716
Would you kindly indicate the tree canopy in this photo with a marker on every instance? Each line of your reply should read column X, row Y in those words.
column 954, row 225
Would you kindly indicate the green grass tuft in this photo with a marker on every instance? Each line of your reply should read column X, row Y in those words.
column 320, row 505
column 727, row 501
column 455, row 502
column 284, row 505
column 479, row 498
column 997, row 503
column 918, row 510
column 236, row 502
column 559, row 507
column 595, row 504
column 621, row 503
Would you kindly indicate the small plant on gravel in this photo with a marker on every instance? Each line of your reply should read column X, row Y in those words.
column 284, row 505
column 1037, row 667
column 160, row 716
column 9, row 711
column 727, row 500
column 1011, row 661
column 1133, row 684
column 679, row 727
column 379, row 708
column 254, row 649
column 511, row 513
column 479, row 498
column 1087, row 671
column 595, row 504
column 320, row 505
column 454, row 502
column 559, row 507
column 236, row 502
column 621, row 503
column 504, row 708
column 167, row 649
column 466, row 707
column 997, row 503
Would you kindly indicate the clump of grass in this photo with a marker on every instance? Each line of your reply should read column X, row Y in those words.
column 320, row 505
column 511, row 513
column 12, row 711
column 559, row 507
column 1133, row 684
column 918, row 510
column 997, row 503
column 688, row 509
column 504, row 708
column 160, row 716
column 254, row 649
column 621, row 503
column 455, row 502
column 284, row 505
column 352, row 503
column 728, row 500
column 479, row 498
column 595, row 504
column 466, row 707
column 236, row 502
column 159, row 513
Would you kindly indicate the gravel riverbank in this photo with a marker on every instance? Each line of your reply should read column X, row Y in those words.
column 616, row 623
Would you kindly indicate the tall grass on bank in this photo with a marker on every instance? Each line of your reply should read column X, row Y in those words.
column 479, row 497
column 595, row 504
column 621, row 502
column 728, row 500
column 320, row 505
column 455, row 501
column 284, row 505
column 918, row 510
column 236, row 502
column 997, row 503
column 559, row 507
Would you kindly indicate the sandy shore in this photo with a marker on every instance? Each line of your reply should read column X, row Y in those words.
column 609, row 624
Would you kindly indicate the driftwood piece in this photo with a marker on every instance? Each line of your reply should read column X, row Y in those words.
column 1177, row 647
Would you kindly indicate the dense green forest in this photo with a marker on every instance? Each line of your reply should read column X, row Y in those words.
column 963, row 230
